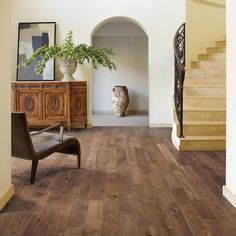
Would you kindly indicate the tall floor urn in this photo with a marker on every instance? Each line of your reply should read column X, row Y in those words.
column 120, row 100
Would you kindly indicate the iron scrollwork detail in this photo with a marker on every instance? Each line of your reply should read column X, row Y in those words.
column 179, row 54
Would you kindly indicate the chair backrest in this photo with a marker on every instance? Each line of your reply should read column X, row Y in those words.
column 21, row 143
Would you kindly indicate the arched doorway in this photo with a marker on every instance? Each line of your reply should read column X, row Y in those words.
column 130, row 43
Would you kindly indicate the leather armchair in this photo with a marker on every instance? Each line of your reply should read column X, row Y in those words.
column 37, row 145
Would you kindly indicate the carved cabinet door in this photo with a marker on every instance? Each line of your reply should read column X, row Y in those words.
column 55, row 105
column 30, row 103
column 78, row 106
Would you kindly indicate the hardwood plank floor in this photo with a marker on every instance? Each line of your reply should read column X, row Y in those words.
column 132, row 182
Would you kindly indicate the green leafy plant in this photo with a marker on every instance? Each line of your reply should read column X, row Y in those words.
column 69, row 51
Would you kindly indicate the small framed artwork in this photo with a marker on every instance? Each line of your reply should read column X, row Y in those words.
column 31, row 36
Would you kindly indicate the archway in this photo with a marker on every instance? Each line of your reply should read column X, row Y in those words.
column 130, row 43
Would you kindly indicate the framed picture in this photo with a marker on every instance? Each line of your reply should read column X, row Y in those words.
column 31, row 36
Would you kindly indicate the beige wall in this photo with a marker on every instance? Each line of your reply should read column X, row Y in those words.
column 229, row 190
column 205, row 24
column 132, row 72
column 156, row 17
column 5, row 68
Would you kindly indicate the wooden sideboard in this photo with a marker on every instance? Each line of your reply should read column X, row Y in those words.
column 48, row 102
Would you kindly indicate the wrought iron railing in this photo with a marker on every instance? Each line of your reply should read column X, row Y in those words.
column 179, row 54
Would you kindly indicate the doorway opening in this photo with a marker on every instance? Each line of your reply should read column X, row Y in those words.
column 130, row 44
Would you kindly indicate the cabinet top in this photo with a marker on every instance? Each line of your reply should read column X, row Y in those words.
column 48, row 85
column 44, row 82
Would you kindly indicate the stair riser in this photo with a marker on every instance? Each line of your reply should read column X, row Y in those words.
column 207, row 82
column 220, row 44
column 208, row 64
column 202, row 72
column 216, row 49
column 216, row 56
column 203, row 116
column 204, row 130
column 204, row 92
column 204, row 104
column 202, row 145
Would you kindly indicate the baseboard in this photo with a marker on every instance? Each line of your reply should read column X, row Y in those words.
column 160, row 125
column 229, row 195
column 129, row 112
column 78, row 126
column 102, row 112
column 6, row 196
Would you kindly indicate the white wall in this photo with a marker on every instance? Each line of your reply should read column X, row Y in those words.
column 229, row 190
column 5, row 135
column 132, row 61
column 205, row 24
column 159, row 18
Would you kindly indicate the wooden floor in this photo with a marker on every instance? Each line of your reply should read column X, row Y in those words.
column 132, row 182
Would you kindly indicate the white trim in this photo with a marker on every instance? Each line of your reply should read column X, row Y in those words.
column 133, row 112
column 229, row 195
column 160, row 125
column 174, row 138
column 7, row 195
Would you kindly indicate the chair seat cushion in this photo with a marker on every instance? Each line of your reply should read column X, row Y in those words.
column 47, row 143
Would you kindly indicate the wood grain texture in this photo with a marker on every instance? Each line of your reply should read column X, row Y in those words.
column 132, row 182
column 47, row 102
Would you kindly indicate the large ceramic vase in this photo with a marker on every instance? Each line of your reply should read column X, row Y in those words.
column 120, row 100
column 68, row 68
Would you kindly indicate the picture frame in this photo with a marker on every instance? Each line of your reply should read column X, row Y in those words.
column 31, row 36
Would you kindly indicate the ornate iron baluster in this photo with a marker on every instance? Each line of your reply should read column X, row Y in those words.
column 179, row 54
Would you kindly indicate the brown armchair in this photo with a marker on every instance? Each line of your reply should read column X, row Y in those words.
column 37, row 145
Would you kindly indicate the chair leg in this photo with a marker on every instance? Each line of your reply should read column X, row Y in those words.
column 78, row 159
column 78, row 155
column 33, row 171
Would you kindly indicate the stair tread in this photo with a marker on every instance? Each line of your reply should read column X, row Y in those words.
column 212, row 59
column 190, row 77
column 209, row 61
column 223, row 138
column 206, row 97
column 206, row 68
column 198, row 123
column 206, row 76
column 217, row 47
column 204, row 109
column 204, row 86
column 221, row 41
column 211, row 53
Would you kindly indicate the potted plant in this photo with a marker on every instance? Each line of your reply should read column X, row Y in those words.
column 69, row 56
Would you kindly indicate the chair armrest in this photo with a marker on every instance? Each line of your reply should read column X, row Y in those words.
column 48, row 128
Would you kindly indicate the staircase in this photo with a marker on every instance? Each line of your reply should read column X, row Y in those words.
column 204, row 103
